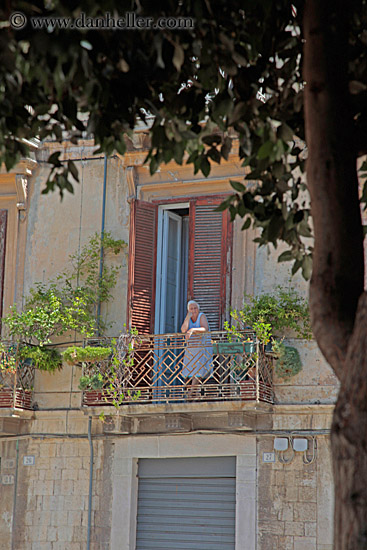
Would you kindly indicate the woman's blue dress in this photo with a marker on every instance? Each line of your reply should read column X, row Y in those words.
column 198, row 355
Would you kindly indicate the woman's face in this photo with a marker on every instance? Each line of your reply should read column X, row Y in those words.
column 194, row 310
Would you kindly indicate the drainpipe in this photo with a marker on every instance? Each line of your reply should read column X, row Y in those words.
column 102, row 235
column 90, row 482
column 15, row 493
column 257, row 371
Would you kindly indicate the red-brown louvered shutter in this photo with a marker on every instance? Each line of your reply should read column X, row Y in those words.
column 210, row 257
column 3, row 226
column 142, row 266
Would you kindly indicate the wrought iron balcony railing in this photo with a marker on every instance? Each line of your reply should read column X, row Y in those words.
column 159, row 368
column 16, row 379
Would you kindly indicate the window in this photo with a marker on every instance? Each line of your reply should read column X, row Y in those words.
column 178, row 252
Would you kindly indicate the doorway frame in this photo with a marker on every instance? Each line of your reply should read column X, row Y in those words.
column 160, row 270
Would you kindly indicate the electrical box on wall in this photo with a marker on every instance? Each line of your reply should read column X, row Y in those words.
column 280, row 443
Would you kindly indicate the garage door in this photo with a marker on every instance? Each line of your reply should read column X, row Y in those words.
column 186, row 504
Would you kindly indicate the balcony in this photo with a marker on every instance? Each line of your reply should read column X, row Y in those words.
column 149, row 369
column 16, row 380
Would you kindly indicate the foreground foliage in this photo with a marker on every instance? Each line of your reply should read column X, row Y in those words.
column 237, row 68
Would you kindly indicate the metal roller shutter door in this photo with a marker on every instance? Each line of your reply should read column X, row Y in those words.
column 186, row 504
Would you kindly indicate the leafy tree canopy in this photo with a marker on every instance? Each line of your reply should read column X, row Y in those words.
column 234, row 71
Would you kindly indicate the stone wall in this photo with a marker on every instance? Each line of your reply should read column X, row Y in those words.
column 52, row 494
column 316, row 383
column 295, row 501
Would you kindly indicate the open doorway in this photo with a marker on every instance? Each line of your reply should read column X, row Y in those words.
column 172, row 267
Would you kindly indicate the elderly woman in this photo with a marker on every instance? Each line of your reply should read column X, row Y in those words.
column 199, row 352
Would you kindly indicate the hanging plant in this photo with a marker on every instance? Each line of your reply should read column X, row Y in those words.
column 42, row 358
column 288, row 361
column 89, row 354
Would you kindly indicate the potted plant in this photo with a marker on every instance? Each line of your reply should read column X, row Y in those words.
column 16, row 380
column 272, row 315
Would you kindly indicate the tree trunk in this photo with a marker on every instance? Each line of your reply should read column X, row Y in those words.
column 349, row 443
column 338, row 264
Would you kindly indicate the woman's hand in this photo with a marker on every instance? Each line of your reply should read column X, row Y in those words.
column 188, row 333
column 185, row 324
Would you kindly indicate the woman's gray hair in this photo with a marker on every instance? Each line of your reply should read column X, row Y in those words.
column 190, row 302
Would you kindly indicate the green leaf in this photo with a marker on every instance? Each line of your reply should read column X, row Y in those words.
column 226, row 148
column 224, row 205
column 286, row 256
column 73, row 169
column 265, row 150
column 303, row 229
column 214, row 154
column 296, row 266
column 153, row 166
column 307, row 267
column 238, row 112
column 237, row 186
column 285, row 132
column 54, row 159
column 246, row 224
column 205, row 166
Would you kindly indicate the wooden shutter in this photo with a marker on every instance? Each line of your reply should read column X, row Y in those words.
column 3, row 227
column 142, row 266
column 210, row 257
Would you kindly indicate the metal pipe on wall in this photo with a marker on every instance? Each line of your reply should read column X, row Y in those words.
column 91, row 459
column 15, row 494
column 102, row 235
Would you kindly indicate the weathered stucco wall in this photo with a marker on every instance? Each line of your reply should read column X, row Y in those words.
column 57, row 228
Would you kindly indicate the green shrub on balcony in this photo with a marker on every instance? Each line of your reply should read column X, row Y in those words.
column 272, row 313
column 43, row 358
column 92, row 382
